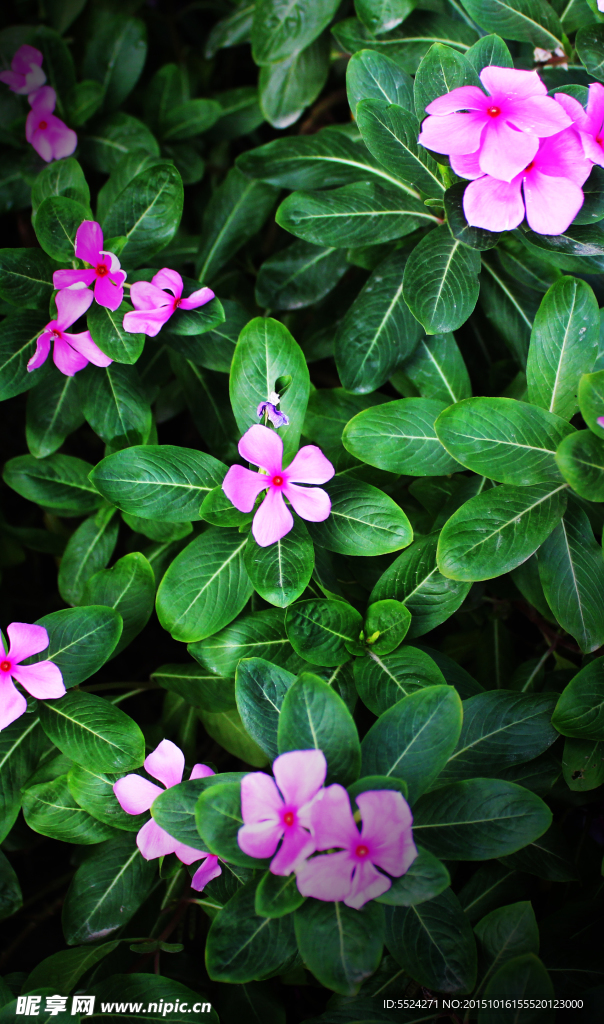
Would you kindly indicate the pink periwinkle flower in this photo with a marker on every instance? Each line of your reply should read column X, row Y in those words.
column 550, row 184
column 72, row 352
column 104, row 271
column 136, row 794
column 42, row 680
column 273, row 520
column 590, row 122
column 50, row 137
column 280, row 808
column 154, row 305
column 25, row 75
column 503, row 128
column 385, row 841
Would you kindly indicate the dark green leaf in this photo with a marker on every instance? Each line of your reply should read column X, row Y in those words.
column 81, row 640
column 199, row 688
column 299, row 275
column 532, row 21
column 341, row 946
column 277, row 895
column 59, row 482
column 440, row 284
column 371, row 75
column 292, row 84
column 280, row 29
column 580, row 709
column 426, row 878
column 26, row 278
column 93, row 790
column 105, row 326
column 383, row 681
column 362, row 518
column 400, row 437
column 236, row 211
column 147, row 212
column 115, row 54
column 260, row 635
column 437, row 370
column 88, row 550
column 93, row 732
column 129, row 588
column 281, row 572
column 242, row 946
column 260, row 688
column 313, row 716
column 50, row 809
column 53, row 412
column 321, row 631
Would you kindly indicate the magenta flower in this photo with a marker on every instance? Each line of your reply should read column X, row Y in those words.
column 590, row 122
column 551, row 185
column 154, row 306
column 280, row 808
column 50, row 137
column 136, row 794
column 264, row 448
column 42, row 680
column 72, row 352
column 502, row 128
column 104, row 269
column 385, row 841
column 26, row 73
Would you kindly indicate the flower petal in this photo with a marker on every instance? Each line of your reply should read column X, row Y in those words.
column 108, row 294
column 25, row 56
column 67, row 359
column 166, row 763
column 551, row 203
column 327, row 878
column 144, row 295
column 539, row 115
column 63, row 140
column 310, row 466
column 72, row 303
column 573, row 108
column 332, row 820
column 147, row 321
column 171, row 279
column 187, row 854
column 453, row 133
column 300, row 774
column 135, row 794
column 592, row 149
column 273, row 520
column 260, row 799
column 89, row 241
column 260, row 840
column 562, row 156
column 209, row 870
column 297, row 845
column 387, row 822
column 493, row 204
column 198, row 298
column 242, row 487
column 367, row 883
column 513, row 83
column 153, row 841
column 26, row 640
column 43, row 680
column 34, row 80
column 43, row 101
column 262, row 447
column 466, row 97
column 12, row 703
column 467, row 166
column 41, row 354
column 110, row 260
column 74, row 279
column 311, row 503
column 39, row 141
column 14, row 79
column 506, row 152
column 201, row 771
column 86, row 347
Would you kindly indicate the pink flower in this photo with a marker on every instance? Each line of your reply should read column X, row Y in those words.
column 551, row 184
column 105, row 268
column 264, row 448
column 50, row 137
column 589, row 123
column 72, row 352
column 26, row 73
column 42, row 680
column 270, row 813
column 385, row 841
column 154, row 306
column 502, row 128
column 136, row 794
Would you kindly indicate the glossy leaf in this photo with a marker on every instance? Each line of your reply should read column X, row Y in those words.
column 280, row 573
column 93, row 732
column 440, row 285
column 341, row 946
column 362, row 518
column 371, row 75
column 299, row 275
column 390, row 133
column 384, row 680
column 321, row 631
column 81, row 640
column 400, row 437
column 260, row 689
column 236, row 211
column 241, row 945
column 59, row 482
column 313, row 716
column 580, row 709
column 426, row 878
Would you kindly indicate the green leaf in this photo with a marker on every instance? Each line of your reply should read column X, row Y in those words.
column 384, row 680
column 434, row 943
column 50, row 809
column 105, row 326
column 523, row 977
column 490, row 886
column 277, row 895
column 313, row 716
column 129, row 588
column 93, row 732
column 125, row 169
column 477, row 819
column 115, row 137
column 532, row 21
column 259, row 635
column 160, row 482
column 156, row 997
column 498, row 529
column 115, row 404
column 266, row 351
column 437, row 369
column 414, row 739
column 414, row 578
column 236, row 211
column 386, row 624
column 426, row 878
column 440, row 283
column 500, row 728
column 281, row 572
column 227, row 728
column 59, row 482
column 188, row 120
column 580, row 709
column 57, row 220
column 199, row 688
column 400, row 438
column 93, row 790
column 174, row 811
column 242, row 946
column 371, row 75
column 299, row 275
column 18, row 337
column 362, row 518
column 292, row 84
column 147, row 212
column 503, row 934
column 408, row 43
column 442, row 70
column 378, row 331
column 321, row 631
column 205, row 586
column 508, row 441
column 26, row 278
column 21, row 744
column 11, row 897
column 61, row 971
column 591, row 396
column 564, row 345
column 106, row 890
column 572, row 573
column 583, row 764
column 390, row 133
column 83, row 101
column 382, row 15
column 115, row 54
column 341, row 946
column 260, row 688
column 359, row 214
column 281, row 28
column 476, row 238
column 218, row 817
column 590, row 43
column 510, row 307
column 81, row 640
column 214, row 348
column 548, row 857
column 57, row 61
column 53, row 412
column 60, row 178
column 88, row 550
